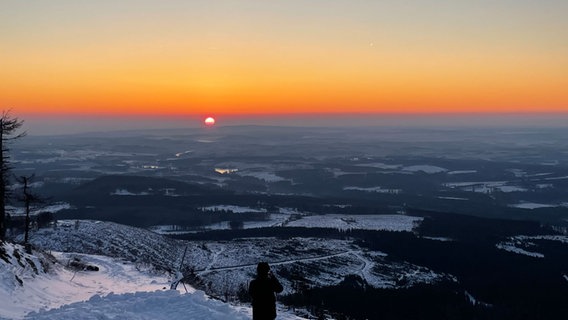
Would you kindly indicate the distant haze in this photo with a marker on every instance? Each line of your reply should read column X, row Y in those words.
column 57, row 125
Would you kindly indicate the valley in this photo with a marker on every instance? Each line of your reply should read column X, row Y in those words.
column 416, row 218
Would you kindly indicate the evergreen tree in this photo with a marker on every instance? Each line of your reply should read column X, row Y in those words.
column 9, row 127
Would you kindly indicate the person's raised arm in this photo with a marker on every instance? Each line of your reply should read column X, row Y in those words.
column 276, row 286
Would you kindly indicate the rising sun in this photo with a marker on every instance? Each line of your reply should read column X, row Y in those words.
column 209, row 121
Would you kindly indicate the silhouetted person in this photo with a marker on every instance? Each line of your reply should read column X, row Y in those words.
column 262, row 290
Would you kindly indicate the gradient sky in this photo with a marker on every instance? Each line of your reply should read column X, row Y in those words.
column 265, row 57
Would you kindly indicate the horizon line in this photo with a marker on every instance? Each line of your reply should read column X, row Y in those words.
column 284, row 115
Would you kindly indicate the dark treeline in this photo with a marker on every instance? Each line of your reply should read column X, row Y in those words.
column 353, row 299
column 472, row 228
column 440, row 301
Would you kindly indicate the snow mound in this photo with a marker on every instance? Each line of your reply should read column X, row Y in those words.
column 39, row 281
column 146, row 306
column 16, row 267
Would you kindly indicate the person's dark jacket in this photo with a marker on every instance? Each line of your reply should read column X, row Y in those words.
column 262, row 290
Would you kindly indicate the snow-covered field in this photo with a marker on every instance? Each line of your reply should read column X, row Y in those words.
column 532, row 205
column 429, row 169
column 365, row 222
column 462, row 172
column 485, row 186
column 424, row 168
column 18, row 211
column 453, row 198
column 231, row 208
column 373, row 189
column 512, row 248
column 525, row 245
column 276, row 220
column 380, row 165
column 124, row 192
column 390, row 222
column 265, row 176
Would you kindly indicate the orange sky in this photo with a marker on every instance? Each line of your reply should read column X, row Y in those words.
column 249, row 57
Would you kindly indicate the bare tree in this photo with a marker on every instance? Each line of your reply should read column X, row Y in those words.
column 28, row 198
column 9, row 127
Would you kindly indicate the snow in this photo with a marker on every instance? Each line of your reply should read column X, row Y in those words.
column 179, row 154
column 556, row 178
column 462, row 172
column 562, row 239
column 540, row 174
column 232, row 208
column 453, row 198
column 265, row 176
column 338, row 172
column 485, row 186
column 425, row 168
column 74, row 180
column 380, row 165
column 50, row 208
column 511, row 189
column 145, row 306
column 274, row 220
column 364, row 222
column 474, row 301
column 108, row 239
column 373, row 189
column 118, row 290
column 443, row 239
column 512, row 248
column 531, row 205
column 124, row 192
column 513, row 243
column 223, row 267
column 63, row 286
column 518, row 173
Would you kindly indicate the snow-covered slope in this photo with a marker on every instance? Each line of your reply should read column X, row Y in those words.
column 109, row 239
column 224, row 268
column 17, row 269
column 31, row 282
column 39, row 287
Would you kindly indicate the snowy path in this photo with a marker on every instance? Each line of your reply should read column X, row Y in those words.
column 365, row 271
